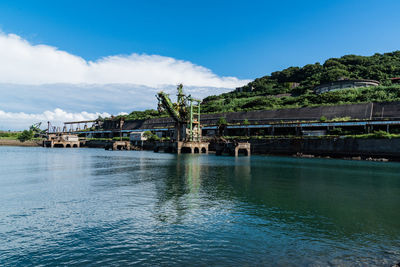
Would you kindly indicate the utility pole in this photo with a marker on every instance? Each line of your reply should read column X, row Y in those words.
column 121, row 123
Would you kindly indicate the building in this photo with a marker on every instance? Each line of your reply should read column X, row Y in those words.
column 137, row 136
column 343, row 84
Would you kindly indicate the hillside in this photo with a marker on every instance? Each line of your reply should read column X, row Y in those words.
column 247, row 102
column 292, row 87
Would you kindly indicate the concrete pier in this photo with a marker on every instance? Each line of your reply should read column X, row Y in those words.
column 192, row 147
column 233, row 148
column 182, row 147
column 118, row 145
column 64, row 141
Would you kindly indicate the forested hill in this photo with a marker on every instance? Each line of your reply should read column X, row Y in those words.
column 297, row 84
column 380, row 67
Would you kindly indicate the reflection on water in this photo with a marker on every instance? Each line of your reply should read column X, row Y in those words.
column 96, row 207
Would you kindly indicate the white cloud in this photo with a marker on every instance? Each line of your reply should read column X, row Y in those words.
column 38, row 78
column 111, row 98
column 21, row 120
column 24, row 63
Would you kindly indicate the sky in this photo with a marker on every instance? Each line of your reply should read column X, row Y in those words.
column 76, row 60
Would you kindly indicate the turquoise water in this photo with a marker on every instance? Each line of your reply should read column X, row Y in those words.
column 91, row 207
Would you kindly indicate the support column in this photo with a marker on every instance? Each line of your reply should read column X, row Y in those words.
column 178, row 147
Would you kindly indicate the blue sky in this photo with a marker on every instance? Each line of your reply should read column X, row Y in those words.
column 246, row 39
column 216, row 44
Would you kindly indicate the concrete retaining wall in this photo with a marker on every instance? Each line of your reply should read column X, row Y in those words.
column 339, row 147
column 97, row 143
column 335, row 147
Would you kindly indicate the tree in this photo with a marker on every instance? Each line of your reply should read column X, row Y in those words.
column 222, row 121
column 150, row 136
column 221, row 126
column 25, row 136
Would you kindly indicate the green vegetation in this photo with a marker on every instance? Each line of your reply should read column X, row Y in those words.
column 231, row 103
column 9, row 135
column 143, row 115
column 150, row 136
column 120, row 139
column 292, row 87
column 26, row 136
column 222, row 121
column 334, row 134
column 376, row 135
column 34, row 132
column 380, row 67
column 347, row 118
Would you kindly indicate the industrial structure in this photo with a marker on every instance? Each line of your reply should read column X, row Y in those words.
column 361, row 118
column 186, row 114
column 187, row 128
column 187, row 135
column 296, row 125
column 344, row 84
column 62, row 140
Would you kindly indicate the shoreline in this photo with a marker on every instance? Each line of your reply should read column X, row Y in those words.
column 261, row 148
column 13, row 142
